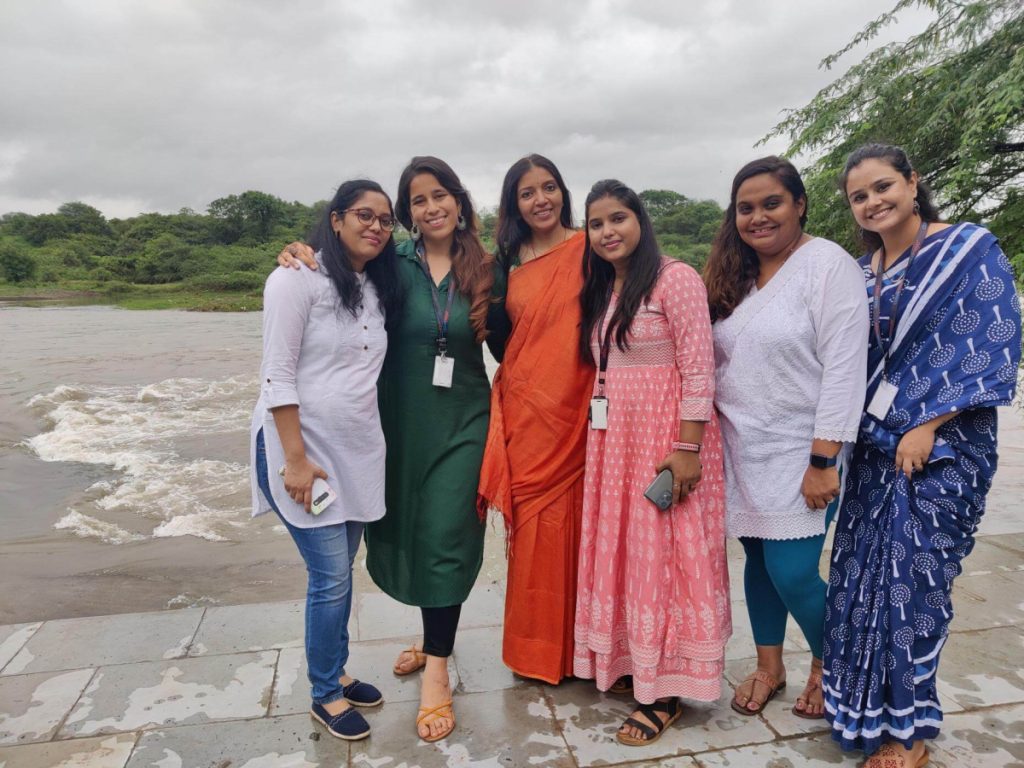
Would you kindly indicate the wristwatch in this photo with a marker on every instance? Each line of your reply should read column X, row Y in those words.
column 820, row 461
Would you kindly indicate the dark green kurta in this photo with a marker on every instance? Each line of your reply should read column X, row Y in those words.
column 428, row 547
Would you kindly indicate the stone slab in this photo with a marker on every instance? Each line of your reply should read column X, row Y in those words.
column 990, row 739
column 981, row 669
column 589, row 721
column 370, row 661
column 989, row 557
column 33, row 706
column 241, row 628
column 103, row 640
column 513, row 727
column 778, row 713
column 984, row 602
column 101, row 752
column 279, row 742
column 128, row 697
column 478, row 659
column 818, row 751
column 13, row 637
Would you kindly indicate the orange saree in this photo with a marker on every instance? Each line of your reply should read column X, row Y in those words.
column 533, row 460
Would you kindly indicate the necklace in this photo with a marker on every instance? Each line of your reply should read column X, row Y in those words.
column 533, row 249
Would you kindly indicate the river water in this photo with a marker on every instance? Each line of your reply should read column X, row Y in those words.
column 123, row 466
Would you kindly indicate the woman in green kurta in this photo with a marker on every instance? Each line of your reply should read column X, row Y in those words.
column 435, row 402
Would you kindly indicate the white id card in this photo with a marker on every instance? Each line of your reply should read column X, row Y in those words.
column 599, row 412
column 444, row 367
column 883, row 399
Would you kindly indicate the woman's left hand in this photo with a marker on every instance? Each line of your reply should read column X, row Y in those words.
column 914, row 449
column 686, row 472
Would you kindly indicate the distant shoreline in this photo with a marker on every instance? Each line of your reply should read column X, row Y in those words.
column 133, row 296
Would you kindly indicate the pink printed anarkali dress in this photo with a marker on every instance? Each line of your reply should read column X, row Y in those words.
column 653, row 593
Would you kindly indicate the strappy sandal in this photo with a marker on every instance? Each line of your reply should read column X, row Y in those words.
column 429, row 715
column 672, row 708
column 766, row 679
column 418, row 656
column 888, row 756
column 623, row 685
column 813, row 681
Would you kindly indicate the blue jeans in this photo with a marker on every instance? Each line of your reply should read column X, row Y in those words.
column 329, row 552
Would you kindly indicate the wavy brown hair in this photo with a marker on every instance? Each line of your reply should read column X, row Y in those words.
column 472, row 265
column 733, row 265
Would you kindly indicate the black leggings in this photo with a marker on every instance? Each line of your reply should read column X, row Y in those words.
column 439, row 625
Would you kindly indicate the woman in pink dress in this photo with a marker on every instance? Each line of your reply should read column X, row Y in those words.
column 653, row 596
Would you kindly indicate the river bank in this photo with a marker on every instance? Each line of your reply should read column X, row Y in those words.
column 132, row 296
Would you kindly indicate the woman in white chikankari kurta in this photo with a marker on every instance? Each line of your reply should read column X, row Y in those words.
column 790, row 352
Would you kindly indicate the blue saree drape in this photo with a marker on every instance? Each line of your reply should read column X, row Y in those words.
column 899, row 543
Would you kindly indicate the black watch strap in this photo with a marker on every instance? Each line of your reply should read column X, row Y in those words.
column 818, row 461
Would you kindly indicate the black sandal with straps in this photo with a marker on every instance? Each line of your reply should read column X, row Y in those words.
column 672, row 708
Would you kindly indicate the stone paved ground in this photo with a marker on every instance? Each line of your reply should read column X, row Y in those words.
column 225, row 686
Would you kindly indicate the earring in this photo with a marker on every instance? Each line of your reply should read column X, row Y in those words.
column 415, row 233
column 461, row 223
column 917, row 208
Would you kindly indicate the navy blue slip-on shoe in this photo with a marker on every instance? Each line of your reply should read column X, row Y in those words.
column 349, row 725
column 362, row 694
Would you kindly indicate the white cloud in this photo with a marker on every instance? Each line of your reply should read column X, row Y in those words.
column 150, row 105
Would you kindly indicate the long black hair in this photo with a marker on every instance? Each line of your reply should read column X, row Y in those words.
column 512, row 230
column 472, row 265
column 732, row 265
column 381, row 271
column 599, row 275
column 897, row 158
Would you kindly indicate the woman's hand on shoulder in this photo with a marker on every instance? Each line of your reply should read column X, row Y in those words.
column 820, row 486
column 298, row 480
column 686, row 472
column 294, row 255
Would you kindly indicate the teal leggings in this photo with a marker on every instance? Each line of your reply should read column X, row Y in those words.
column 781, row 578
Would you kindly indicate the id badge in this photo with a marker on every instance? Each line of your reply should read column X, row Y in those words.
column 444, row 368
column 883, row 399
column 599, row 412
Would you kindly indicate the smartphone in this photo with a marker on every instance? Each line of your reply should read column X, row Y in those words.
column 323, row 495
column 660, row 491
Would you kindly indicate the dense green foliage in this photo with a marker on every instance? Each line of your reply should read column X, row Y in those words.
column 952, row 96
column 179, row 260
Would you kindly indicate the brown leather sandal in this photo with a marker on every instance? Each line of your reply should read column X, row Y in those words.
column 813, row 681
column 431, row 714
column 766, row 679
column 419, row 657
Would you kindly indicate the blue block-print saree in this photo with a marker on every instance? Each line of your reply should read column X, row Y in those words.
column 899, row 543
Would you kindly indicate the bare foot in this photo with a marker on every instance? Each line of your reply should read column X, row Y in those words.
column 435, row 691
column 893, row 755
column 336, row 707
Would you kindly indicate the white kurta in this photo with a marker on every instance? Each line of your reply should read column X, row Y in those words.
column 318, row 355
column 791, row 364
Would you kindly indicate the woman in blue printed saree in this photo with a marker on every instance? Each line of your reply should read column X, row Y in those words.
column 944, row 351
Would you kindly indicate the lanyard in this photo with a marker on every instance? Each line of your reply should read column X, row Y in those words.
column 442, row 319
column 605, row 346
column 876, row 304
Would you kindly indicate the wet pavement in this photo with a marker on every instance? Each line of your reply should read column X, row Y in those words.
column 226, row 686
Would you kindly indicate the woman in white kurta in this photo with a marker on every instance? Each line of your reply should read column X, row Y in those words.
column 790, row 354
column 323, row 347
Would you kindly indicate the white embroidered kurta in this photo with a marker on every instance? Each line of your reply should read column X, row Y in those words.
column 317, row 355
column 791, row 366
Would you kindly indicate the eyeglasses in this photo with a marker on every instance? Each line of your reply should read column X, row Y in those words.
column 367, row 217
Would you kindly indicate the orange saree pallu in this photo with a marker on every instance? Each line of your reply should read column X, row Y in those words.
column 533, row 460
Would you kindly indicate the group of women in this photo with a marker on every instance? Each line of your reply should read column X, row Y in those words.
column 749, row 387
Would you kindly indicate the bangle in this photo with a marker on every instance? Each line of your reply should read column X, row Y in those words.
column 690, row 447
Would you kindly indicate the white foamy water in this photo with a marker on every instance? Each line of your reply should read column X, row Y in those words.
column 139, row 432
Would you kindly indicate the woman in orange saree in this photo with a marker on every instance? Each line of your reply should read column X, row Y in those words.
column 536, row 445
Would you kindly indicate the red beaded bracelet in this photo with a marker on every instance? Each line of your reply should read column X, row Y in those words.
column 691, row 447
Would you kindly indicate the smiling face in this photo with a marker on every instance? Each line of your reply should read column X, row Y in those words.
column 362, row 242
column 613, row 229
column 880, row 197
column 540, row 200
column 433, row 208
column 767, row 216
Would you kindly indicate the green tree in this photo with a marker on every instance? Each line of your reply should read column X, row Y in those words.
column 16, row 264
column 951, row 96
column 83, row 219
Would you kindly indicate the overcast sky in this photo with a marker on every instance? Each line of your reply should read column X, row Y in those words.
column 156, row 105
